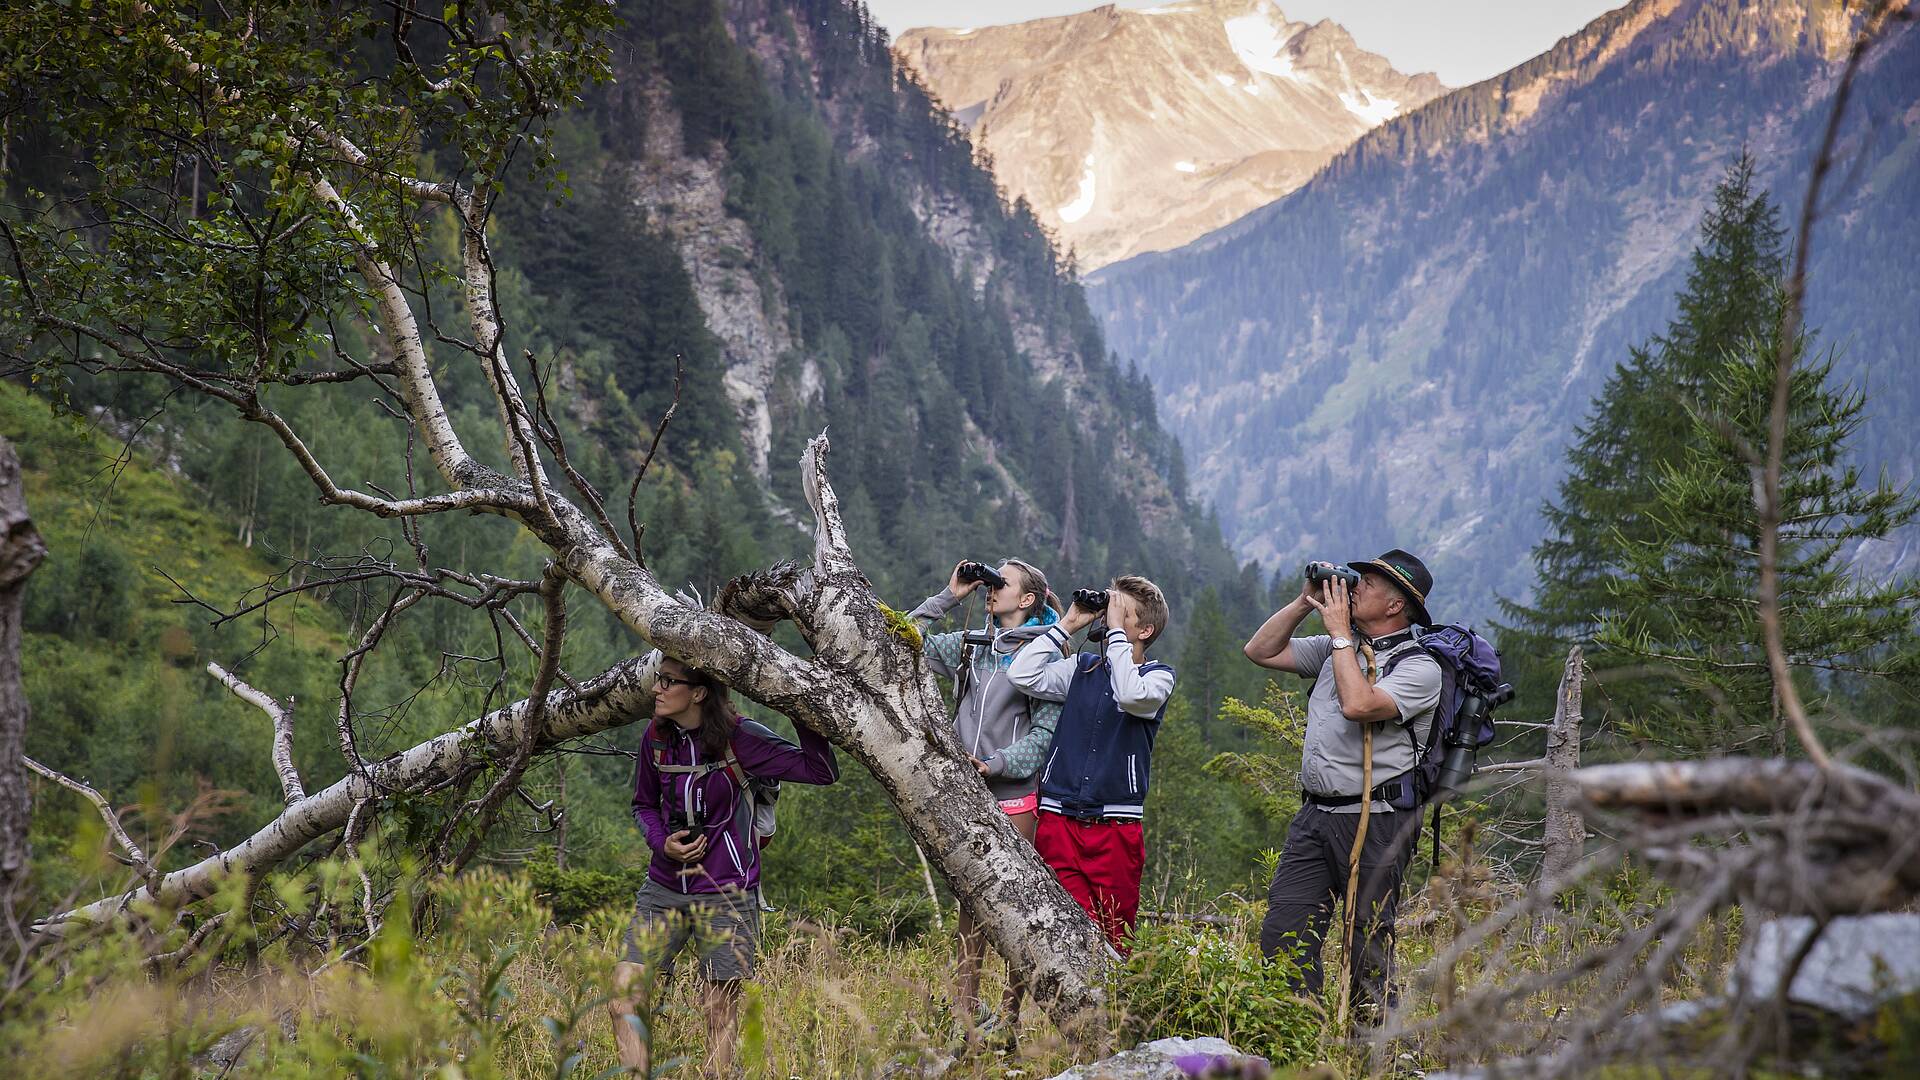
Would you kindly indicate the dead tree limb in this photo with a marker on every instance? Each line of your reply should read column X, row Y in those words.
column 1840, row 841
column 1565, row 831
column 863, row 683
column 282, row 717
column 615, row 697
column 135, row 856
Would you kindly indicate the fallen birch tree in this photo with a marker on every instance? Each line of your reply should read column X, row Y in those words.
column 325, row 169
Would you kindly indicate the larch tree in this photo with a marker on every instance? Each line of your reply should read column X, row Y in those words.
column 224, row 197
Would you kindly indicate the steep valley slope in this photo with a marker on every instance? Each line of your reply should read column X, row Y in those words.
column 1398, row 352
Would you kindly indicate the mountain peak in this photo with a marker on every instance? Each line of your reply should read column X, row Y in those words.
column 1138, row 129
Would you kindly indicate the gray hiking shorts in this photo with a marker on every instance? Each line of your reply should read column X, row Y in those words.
column 724, row 928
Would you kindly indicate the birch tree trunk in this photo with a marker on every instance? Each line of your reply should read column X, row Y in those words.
column 863, row 682
column 20, row 552
column 1565, row 830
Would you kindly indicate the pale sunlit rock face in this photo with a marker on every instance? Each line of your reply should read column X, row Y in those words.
column 1083, row 114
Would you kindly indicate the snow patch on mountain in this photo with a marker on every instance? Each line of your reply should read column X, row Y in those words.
column 1233, row 88
column 1374, row 110
column 1080, row 206
column 1261, row 43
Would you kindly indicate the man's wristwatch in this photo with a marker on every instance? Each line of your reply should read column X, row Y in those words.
column 1342, row 643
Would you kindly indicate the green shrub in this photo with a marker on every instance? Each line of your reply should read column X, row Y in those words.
column 83, row 595
column 1195, row 981
column 572, row 895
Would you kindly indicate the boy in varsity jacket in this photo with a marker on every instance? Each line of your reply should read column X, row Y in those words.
column 1093, row 788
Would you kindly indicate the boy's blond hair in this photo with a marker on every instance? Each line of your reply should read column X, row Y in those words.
column 1151, row 601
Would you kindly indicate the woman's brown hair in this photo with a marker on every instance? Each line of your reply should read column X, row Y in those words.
column 717, row 718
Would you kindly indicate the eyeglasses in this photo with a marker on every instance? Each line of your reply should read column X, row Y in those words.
column 668, row 680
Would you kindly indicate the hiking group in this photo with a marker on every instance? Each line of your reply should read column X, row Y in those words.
column 1063, row 740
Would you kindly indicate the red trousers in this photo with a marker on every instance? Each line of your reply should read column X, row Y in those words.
column 1098, row 863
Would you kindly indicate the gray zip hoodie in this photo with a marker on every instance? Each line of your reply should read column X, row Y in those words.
column 1007, row 730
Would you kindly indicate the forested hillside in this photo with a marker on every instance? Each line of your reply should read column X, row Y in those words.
column 414, row 403
column 804, row 236
column 1413, row 335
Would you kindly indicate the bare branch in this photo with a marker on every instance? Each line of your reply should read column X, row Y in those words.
column 282, row 717
column 617, row 696
column 1767, row 485
column 549, row 433
column 350, row 674
column 136, row 856
column 633, row 490
column 830, row 551
column 1513, row 766
column 553, row 583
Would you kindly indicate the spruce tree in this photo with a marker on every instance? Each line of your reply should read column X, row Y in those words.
column 1649, row 559
column 1684, row 605
column 1637, row 426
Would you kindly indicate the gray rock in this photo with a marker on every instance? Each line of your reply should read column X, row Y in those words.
column 1153, row 1060
column 1859, row 963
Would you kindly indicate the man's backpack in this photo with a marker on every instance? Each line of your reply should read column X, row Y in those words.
column 761, row 794
column 1469, row 666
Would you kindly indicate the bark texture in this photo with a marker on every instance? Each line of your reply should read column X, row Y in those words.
column 1565, row 831
column 1809, row 841
column 21, row 550
column 863, row 684
column 617, row 696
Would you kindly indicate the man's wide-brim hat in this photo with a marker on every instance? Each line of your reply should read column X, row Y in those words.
column 1409, row 575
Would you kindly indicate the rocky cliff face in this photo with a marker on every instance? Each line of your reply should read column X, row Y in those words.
column 858, row 271
column 686, row 195
column 1398, row 352
column 1062, row 354
column 1139, row 130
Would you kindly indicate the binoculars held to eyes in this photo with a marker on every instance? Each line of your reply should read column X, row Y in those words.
column 1321, row 572
column 981, row 572
column 1091, row 599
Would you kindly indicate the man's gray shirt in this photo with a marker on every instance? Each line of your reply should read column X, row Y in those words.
column 1330, row 761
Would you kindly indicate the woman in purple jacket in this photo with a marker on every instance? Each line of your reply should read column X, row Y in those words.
column 704, row 881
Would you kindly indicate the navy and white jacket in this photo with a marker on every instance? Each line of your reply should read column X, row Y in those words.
column 1102, row 754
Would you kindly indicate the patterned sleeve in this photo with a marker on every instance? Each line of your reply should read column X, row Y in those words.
column 1022, row 759
column 944, row 651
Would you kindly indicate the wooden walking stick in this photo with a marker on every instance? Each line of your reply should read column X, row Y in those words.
column 1353, row 861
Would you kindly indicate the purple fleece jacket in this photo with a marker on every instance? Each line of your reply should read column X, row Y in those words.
column 660, row 801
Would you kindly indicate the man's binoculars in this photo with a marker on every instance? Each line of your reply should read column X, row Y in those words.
column 1319, row 572
column 973, row 571
column 1462, row 738
column 1091, row 599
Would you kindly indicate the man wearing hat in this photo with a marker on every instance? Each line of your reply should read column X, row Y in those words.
column 1367, row 672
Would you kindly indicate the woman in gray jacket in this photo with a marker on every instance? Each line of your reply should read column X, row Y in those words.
column 1006, row 732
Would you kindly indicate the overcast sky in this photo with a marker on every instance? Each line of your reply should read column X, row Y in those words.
column 1463, row 41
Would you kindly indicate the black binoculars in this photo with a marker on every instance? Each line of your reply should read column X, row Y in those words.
column 1091, row 599
column 1319, row 571
column 694, row 817
column 981, row 572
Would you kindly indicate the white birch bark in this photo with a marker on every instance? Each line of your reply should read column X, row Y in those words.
column 865, row 686
column 618, row 696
